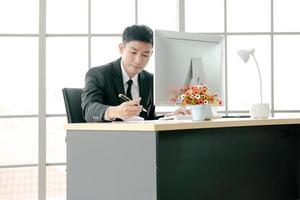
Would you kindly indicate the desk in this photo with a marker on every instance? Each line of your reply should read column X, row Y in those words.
column 236, row 159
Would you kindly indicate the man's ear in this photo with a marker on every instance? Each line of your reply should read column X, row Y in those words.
column 121, row 48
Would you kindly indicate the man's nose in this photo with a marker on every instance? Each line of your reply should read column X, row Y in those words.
column 138, row 59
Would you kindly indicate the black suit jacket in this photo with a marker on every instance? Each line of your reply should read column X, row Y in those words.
column 103, row 84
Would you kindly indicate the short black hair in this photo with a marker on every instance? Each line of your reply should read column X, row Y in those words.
column 140, row 33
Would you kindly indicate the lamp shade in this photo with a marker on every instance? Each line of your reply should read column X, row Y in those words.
column 245, row 54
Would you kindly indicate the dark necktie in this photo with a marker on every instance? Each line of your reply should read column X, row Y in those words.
column 128, row 92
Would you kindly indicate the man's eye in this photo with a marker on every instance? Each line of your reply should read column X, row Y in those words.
column 146, row 55
column 133, row 52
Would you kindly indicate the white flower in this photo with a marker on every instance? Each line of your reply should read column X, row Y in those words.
column 182, row 96
column 205, row 102
column 197, row 96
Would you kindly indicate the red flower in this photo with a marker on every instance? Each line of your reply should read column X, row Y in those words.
column 196, row 94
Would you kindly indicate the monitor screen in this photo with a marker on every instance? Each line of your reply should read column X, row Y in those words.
column 186, row 58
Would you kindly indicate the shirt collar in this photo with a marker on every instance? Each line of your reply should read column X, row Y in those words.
column 126, row 77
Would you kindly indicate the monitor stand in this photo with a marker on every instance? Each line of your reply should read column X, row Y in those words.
column 195, row 75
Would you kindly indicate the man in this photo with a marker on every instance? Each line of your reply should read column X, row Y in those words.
column 126, row 75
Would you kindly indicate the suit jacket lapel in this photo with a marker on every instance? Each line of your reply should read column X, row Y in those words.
column 143, row 89
column 117, row 77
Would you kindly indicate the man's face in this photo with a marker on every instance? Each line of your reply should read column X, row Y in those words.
column 135, row 56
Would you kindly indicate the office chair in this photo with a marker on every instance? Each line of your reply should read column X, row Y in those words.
column 72, row 99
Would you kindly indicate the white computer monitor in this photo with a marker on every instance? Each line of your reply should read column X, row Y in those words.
column 186, row 58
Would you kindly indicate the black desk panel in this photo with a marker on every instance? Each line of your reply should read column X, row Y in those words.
column 243, row 163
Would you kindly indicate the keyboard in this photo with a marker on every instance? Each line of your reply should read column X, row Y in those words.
column 186, row 117
column 177, row 117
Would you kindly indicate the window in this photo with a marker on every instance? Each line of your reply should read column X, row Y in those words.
column 204, row 16
column 109, row 18
column 248, row 16
column 286, row 72
column 81, row 34
column 158, row 14
column 19, row 183
column 105, row 50
column 67, row 62
column 286, row 15
column 68, row 16
column 17, row 16
column 18, row 77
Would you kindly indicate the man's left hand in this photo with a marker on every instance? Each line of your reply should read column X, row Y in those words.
column 182, row 111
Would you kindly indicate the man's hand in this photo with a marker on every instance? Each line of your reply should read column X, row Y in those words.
column 182, row 111
column 125, row 110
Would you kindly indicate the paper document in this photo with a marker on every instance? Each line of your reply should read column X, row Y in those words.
column 134, row 118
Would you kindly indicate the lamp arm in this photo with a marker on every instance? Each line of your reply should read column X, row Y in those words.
column 260, row 83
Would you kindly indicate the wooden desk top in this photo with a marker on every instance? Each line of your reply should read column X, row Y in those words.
column 164, row 125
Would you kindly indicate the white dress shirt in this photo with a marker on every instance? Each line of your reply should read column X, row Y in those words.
column 134, row 88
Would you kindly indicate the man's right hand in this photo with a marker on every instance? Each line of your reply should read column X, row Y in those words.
column 125, row 110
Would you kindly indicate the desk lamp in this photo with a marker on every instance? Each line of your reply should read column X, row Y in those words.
column 258, row 110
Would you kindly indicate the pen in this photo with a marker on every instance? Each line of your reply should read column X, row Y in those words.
column 125, row 98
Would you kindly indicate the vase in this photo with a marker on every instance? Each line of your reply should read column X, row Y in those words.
column 198, row 112
column 260, row 111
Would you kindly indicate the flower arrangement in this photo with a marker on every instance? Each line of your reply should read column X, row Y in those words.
column 196, row 95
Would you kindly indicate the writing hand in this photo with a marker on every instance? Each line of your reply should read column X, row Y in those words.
column 126, row 109
column 125, row 98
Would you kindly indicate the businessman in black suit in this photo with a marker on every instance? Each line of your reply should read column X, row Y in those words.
column 126, row 75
